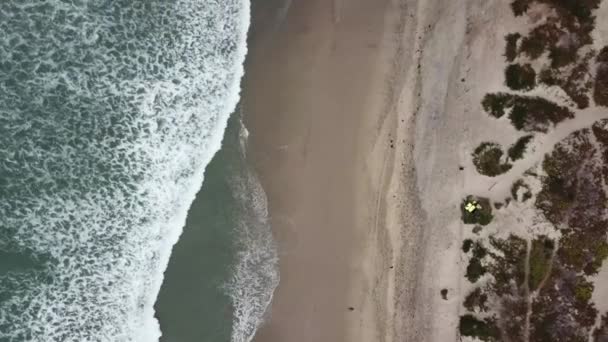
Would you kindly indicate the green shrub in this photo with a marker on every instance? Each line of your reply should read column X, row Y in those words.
column 511, row 46
column 481, row 216
column 600, row 92
column 496, row 103
column 520, row 7
column 517, row 150
column 520, row 77
column 476, row 300
column 475, row 270
column 487, row 159
column 479, row 251
column 515, row 189
column 561, row 57
column 579, row 8
column 601, row 252
column 535, row 113
column 466, row 245
column 583, row 290
column 602, row 56
column 485, row 330
column 572, row 81
column 528, row 113
column 509, row 265
column 534, row 45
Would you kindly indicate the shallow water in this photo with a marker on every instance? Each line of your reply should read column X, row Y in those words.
column 223, row 270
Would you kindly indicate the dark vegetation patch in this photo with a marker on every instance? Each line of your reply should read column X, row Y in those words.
column 444, row 294
column 481, row 215
column 572, row 196
column 536, row 114
column 505, row 262
column 495, row 104
column 540, row 261
column 561, row 35
column 600, row 92
column 517, row 150
column 526, row 192
column 477, row 229
column 487, row 159
column 573, row 199
column 584, row 253
column 583, row 290
column 571, row 182
column 520, row 7
column 601, row 333
column 528, row 113
column 485, row 330
column 564, row 30
column 539, row 39
column 511, row 46
column 520, row 77
column 475, row 269
column 562, row 311
column 600, row 131
column 476, row 301
column 576, row 82
column 508, row 266
column 513, row 317
column 466, row 245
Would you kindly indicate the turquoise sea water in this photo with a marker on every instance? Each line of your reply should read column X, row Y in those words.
column 110, row 112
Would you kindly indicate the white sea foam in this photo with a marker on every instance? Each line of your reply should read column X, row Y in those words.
column 109, row 113
column 255, row 275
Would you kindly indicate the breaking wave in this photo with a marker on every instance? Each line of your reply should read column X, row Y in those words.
column 255, row 275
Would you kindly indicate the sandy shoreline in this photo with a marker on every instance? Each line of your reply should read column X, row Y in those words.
column 329, row 107
column 361, row 114
column 364, row 116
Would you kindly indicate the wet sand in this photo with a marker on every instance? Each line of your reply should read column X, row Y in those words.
column 327, row 99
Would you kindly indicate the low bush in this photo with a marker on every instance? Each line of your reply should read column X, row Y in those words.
column 517, row 150
column 520, row 184
column 520, row 77
column 476, row 301
column 600, row 92
column 528, row 113
column 466, row 245
column 485, row 330
column 496, row 103
column 475, row 270
column 487, row 159
column 583, row 290
column 482, row 215
column 511, row 46
column 520, row 7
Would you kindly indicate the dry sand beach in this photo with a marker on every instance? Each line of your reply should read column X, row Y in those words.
column 363, row 117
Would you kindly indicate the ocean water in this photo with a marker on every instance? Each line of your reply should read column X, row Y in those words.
column 110, row 112
column 227, row 225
